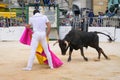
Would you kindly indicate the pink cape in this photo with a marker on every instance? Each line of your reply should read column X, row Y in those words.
column 26, row 36
column 26, row 39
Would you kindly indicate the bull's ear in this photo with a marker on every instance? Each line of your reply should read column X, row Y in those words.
column 66, row 42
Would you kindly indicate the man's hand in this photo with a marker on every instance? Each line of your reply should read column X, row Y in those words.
column 48, row 28
column 27, row 25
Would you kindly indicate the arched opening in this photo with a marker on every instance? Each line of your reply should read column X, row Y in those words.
column 76, row 10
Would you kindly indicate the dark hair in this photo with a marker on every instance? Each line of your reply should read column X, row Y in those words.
column 36, row 11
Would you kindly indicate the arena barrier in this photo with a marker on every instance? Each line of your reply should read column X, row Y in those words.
column 108, row 30
column 63, row 30
column 14, row 33
column 112, row 31
column 105, row 21
column 11, row 33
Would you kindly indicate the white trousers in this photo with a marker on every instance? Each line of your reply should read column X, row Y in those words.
column 36, row 38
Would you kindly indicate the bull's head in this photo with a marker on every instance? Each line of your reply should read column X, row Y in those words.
column 63, row 46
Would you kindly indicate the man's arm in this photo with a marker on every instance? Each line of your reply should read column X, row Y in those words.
column 29, row 24
column 48, row 28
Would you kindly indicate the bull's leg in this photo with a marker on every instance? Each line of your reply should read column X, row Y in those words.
column 82, row 53
column 101, row 51
column 70, row 53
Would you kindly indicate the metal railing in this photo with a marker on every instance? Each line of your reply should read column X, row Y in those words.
column 7, row 22
column 84, row 23
column 75, row 22
column 105, row 22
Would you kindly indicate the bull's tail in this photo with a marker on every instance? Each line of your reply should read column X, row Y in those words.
column 110, row 39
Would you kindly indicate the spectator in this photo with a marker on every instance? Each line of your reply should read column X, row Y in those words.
column 37, row 2
column 110, row 14
column 106, row 11
column 95, row 24
column 82, row 24
column 52, row 3
column 49, row 3
column 91, row 15
column 100, row 18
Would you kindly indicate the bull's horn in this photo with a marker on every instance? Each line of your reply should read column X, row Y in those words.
column 66, row 44
column 55, row 43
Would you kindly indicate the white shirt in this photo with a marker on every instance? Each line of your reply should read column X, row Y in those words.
column 38, row 22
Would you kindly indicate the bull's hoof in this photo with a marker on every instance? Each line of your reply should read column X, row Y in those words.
column 108, row 58
column 69, row 60
column 86, row 59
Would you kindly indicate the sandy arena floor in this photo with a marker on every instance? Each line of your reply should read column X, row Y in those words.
column 14, row 56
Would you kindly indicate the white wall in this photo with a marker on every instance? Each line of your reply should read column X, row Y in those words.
column 117, row 35
column 11, row 33
column 107, row 30
column 63, row 30
column 14, row 33
column 80, row 3
column 114, row 33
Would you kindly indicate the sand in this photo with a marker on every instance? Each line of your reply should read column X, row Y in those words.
column 14, row 56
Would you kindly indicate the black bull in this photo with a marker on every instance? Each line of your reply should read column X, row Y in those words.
column 77, row 39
